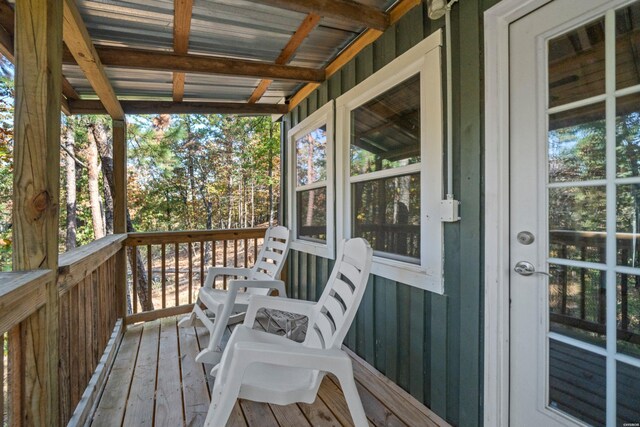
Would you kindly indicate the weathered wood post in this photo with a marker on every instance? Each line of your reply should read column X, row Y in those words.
column 120, row 209
column 36, row 186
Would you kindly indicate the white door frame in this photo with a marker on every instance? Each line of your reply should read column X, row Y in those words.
column 496, row 254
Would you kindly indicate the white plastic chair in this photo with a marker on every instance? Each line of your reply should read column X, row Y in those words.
column 228, row 306
column 270, row 368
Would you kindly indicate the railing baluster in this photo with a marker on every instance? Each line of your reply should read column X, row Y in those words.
column 190, row 251
column 134, row 278
column 235, row 252
column 149, row 273
column 177, row 267
column 2, row 381
column 246, row 253
column 583, row 285
column 255, row 249
column 203, row 248
column 163, row 275
column 224, row 263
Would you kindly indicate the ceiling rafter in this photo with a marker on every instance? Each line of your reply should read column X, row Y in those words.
column 204, row 64
column 350, row 52
column 160, row 107
column 343, row 10
column 182, row 11
column 76, row 37
column 308, row 24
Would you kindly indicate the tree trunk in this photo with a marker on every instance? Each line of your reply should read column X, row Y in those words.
column 271, row 212
column 105, row 150
column 94, row 192
column 70, row 168
column 143, row 281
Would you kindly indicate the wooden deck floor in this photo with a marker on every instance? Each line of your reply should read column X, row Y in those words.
column 155, row 381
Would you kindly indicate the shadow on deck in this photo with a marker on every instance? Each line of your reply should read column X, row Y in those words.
column 155, row 381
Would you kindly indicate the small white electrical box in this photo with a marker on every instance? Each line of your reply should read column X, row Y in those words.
column 449, row 209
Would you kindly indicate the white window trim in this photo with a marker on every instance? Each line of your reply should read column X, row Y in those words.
column 424, row 58
column 323, row 116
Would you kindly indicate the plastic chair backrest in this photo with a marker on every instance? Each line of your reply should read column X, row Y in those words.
column 335, row 310
column 271, row 258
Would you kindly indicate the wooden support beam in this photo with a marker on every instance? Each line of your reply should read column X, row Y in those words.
column 350, row 52
column 7, row 27
column 182, row 10
column 344, row 10
column 169, row 107
column 36, row 184
column 77, row 39
column 203, row 64
column 120, row 209
column 308, row 24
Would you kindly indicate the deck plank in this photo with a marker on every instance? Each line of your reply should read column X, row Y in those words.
column 194, row 384
column 113, row 402
column 258, row 414
column 289, row 415
column 169, row 406
column 180, row 395
column 140, row 405
column 319, row 414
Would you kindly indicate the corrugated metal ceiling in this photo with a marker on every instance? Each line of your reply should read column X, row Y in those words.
column 231, row 28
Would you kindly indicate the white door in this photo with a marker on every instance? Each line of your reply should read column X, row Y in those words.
column 575, row 214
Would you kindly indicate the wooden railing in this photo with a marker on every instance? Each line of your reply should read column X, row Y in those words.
column 87, row 316
column 170, row 267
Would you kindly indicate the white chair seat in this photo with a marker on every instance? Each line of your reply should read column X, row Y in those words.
column 223, row 307
column 212, row 298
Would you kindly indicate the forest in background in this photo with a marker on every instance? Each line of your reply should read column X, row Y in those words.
column 185, row 172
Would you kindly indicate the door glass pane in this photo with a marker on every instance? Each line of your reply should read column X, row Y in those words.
column 577, row 382
column 628, row 315
column 577, row 223
column 628, row 136
column 385, row 132
column 627, row 45
column 628, row 217
column 577, row 303
column 386, row 212
column 312, row 214
column 576, row 64
column 311, row 160
column 577, row 140
column 628, row 391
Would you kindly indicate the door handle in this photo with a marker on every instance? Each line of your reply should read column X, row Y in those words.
column 525, row 268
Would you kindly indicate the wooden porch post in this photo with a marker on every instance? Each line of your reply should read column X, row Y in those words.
column 36, row 186
column 120, row 209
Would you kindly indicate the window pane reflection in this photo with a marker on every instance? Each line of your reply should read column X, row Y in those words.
column 576, row 64
column 311, row 161
column 577, row 140
column 628, row 136
column 386, row 212
column 577, row 382
column 577, row 303
column 385, row 132
column 628, row 315
column 627, row 38
column 628, row 394
column 577, row 223
column 627, row 217
column 312, row 214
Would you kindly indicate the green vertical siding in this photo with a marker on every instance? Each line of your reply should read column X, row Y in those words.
column 429, row 344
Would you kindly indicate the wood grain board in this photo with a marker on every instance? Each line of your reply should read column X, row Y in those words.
column 155, row 381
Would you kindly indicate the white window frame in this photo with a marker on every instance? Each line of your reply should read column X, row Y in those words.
column 321, row 117
column 424, row 58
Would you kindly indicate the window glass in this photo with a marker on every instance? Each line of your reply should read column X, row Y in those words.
column 386, row 212
column 311, row 157
column 312, row 214
column 385, row 132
